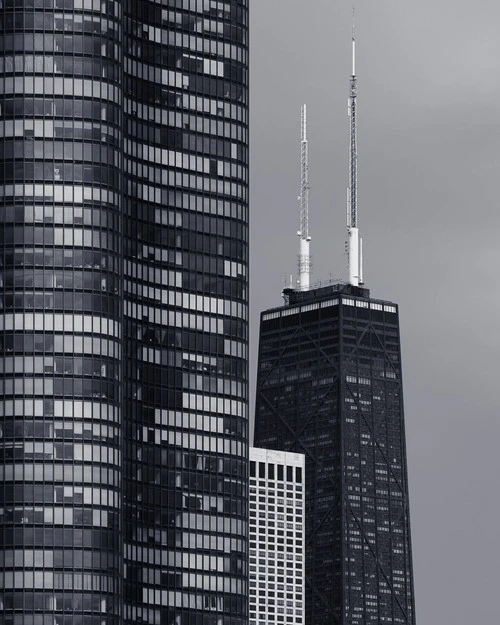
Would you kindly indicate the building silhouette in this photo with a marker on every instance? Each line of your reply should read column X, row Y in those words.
column 276, row 537
column 123, row 294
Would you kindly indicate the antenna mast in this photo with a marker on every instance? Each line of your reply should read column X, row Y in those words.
column 303, row 233
column 354, row 243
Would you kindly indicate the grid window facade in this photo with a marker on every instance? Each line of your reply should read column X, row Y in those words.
column 60, row 322
column 329, row 386
column 276, row 533
column 123, row 311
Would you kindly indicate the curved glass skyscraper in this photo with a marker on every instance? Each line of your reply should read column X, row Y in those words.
column 123, row 321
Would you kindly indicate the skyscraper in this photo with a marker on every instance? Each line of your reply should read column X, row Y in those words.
column 330, row 386
column 123, row 330
column 276, row 534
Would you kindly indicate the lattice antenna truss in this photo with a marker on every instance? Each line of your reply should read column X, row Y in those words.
column 303, row 233
column 354, row 242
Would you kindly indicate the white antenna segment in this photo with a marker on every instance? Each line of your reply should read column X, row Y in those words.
column 354, row 243
column 303, row 233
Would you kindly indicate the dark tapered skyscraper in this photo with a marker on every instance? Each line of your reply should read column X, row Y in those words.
column 329, row 386
column 123, row 312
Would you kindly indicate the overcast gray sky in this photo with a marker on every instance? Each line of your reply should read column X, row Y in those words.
column 429, row 175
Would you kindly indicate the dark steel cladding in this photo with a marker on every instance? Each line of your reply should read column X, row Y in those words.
column 329, row 386
column 123, row 321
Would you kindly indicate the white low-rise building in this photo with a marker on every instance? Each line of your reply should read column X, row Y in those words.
column 276, row 537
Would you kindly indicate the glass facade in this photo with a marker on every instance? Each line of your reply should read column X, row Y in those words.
column 185, row 317
column 123, row 311
column 329, row 386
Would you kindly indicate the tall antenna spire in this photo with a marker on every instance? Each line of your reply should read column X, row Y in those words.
column 305, row 239
column 354, row 243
